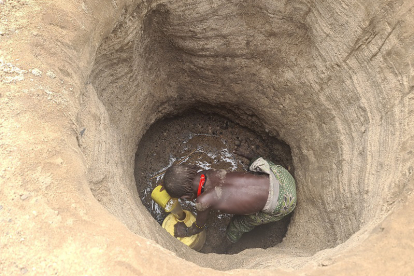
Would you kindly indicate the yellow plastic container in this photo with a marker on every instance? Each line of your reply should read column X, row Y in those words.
column 170, row 204
column 195, row 242
column 164, row 199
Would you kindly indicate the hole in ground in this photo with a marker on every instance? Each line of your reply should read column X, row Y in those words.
column 207, row 140
column 159, row 59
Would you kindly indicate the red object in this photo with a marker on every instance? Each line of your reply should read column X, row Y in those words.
column 201, row 184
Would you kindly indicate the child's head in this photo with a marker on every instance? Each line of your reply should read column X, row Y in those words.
column 178, row 180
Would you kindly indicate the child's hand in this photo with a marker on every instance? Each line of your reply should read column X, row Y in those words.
column 180, row 230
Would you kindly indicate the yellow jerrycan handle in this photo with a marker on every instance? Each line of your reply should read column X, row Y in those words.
column 162, row 198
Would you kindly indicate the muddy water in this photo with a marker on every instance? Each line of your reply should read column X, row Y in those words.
column 207, row 141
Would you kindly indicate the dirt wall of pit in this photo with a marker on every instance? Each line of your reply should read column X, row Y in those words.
column 81, row 82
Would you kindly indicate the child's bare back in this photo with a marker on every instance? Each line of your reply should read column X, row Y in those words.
column 240, row 193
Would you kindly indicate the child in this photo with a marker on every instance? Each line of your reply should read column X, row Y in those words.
column 266, row 194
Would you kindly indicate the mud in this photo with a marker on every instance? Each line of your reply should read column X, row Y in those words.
column 208, row 141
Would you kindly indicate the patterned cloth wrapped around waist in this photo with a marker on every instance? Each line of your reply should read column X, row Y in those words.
column 282, row 189
column 281, row 200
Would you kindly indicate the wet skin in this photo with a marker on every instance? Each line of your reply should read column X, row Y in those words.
column 240, row 193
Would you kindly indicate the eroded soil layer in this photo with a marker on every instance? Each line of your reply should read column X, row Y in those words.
column 206, row 140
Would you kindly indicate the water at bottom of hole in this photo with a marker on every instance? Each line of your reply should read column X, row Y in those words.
column 208, row 141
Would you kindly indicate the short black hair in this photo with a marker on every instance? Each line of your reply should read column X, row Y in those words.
column 178, row 180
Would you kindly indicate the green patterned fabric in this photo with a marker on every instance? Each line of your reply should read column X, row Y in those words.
column 286, row 203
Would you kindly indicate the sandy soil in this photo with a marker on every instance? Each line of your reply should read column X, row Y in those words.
column 82, row 81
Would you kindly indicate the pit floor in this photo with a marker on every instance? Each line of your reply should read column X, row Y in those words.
column 207, row 140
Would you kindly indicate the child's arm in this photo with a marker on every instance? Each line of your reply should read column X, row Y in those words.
column 199, row 224
column 201, row 221
column 181, row 230
column 203, row 206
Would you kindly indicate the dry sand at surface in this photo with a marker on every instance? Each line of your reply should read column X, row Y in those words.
column 82, row 82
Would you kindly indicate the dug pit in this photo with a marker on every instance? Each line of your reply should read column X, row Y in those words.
column 260, row 71
column 85, row 83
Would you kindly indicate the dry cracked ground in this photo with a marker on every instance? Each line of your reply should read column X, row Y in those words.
column 82, row 81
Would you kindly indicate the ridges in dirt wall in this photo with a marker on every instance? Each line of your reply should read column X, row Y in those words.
column 331, row 97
